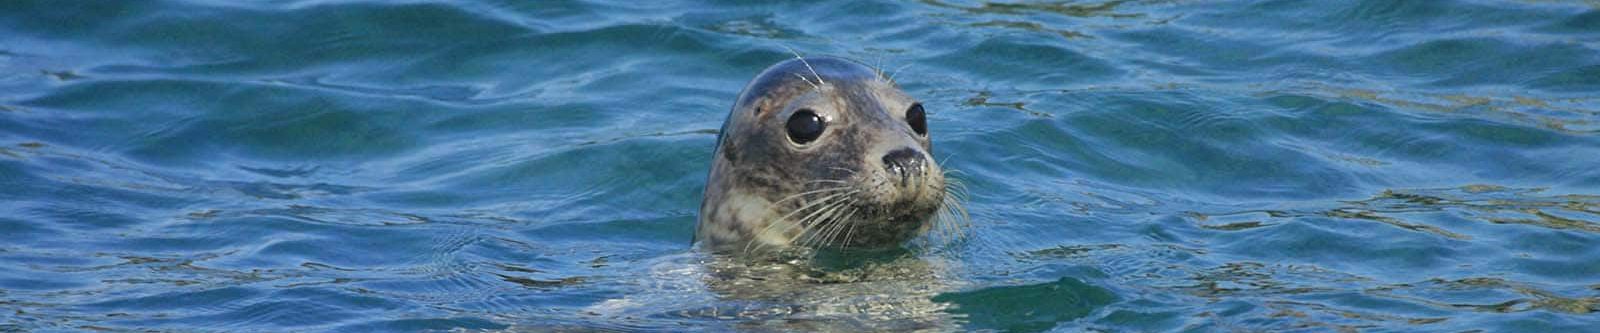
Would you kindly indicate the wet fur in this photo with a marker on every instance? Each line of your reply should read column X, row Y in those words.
column 765, row 192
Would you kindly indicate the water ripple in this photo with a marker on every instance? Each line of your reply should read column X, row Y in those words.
column 487, row 165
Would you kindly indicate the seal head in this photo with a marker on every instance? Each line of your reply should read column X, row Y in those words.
column 821, row 152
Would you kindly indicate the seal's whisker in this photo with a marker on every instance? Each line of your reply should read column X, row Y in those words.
column 787, row 226
column 831, row 193
column 818, row 204
column 958, row 198
column 808, row 81
column 779, row 221
column 941, row 227
column 828, row 226
column 834, row 181
column 834, row 223
column 961, row 219
column 840, row 222
column 952, row 220
column 948, row 172
column 937, row 225
column 824, row 226
column 952, row 223
column 817, row 220
column 957, row 212
column 877, row 68
column 958, row 192
column 808, row 220
column 897, row 72
column 956, row 187
column 808, row 65
column 822, row 199
column 850, row 219
column 823, row 202
column 811, row 225
column 802, row 194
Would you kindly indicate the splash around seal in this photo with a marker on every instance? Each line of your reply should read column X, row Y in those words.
column 823, row 152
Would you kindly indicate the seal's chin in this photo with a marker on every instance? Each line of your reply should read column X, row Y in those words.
column 889, row 224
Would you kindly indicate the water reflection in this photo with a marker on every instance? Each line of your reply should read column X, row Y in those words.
column 832, row 292
column 1026, row 308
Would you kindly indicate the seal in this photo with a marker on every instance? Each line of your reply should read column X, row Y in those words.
column 823, row 152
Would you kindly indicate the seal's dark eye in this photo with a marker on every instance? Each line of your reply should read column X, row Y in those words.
column 918, row 119
column 805, row 126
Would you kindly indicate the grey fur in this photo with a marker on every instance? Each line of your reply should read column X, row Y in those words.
column 767, row 192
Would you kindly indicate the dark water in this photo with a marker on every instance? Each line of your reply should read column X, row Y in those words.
column 1133, row 165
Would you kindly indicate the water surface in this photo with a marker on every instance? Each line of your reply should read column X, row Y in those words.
column 1133, row 165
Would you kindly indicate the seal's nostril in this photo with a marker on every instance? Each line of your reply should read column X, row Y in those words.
column 903, row 162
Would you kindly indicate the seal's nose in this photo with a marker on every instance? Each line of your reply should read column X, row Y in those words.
column 904, row 163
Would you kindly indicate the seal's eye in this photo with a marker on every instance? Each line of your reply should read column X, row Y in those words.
column 918, row 119
column 805, row 126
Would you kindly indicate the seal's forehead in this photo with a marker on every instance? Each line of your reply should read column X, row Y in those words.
column 797, row 75
column 830, row 68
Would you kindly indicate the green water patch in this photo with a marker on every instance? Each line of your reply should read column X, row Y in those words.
column 1027, row 308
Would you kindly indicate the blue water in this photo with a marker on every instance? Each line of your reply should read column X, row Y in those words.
column 1133, row 165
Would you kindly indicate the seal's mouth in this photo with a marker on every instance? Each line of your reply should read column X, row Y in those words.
column 869, row 209
column 883, row 225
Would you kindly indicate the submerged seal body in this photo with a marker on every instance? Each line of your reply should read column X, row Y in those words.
column 821, row 152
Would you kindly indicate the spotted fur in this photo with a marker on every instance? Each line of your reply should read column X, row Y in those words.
column 766, row 192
